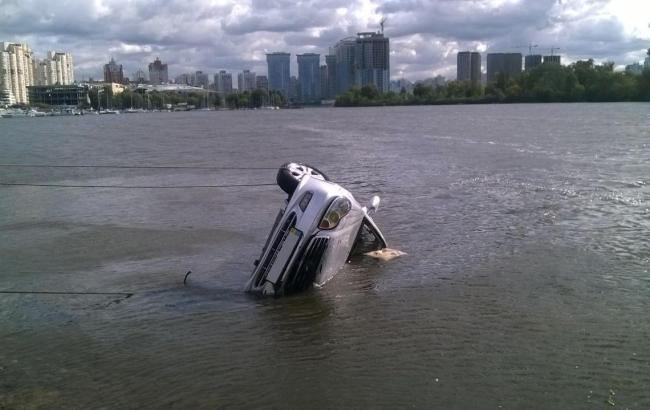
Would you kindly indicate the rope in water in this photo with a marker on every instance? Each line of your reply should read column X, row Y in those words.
column 35, row 292
column 16, row 184
column 134, row 167
column 11, row 184
column 125, row 295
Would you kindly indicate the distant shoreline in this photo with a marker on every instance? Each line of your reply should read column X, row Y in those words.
column 485, row 102
column 582, row 81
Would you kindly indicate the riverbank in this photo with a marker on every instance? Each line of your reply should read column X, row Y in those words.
column 582, row 81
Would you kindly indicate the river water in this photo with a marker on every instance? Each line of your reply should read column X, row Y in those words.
column 526, row 283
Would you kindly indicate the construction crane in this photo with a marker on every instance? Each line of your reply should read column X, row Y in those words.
column 382, row 23
column 554, row 49
column 530, row 47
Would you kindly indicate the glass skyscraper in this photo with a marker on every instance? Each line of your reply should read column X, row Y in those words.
column 279, row 72
column 309, row 77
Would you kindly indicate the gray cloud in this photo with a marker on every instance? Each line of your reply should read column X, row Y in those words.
column 467, row 19
column 210, row 35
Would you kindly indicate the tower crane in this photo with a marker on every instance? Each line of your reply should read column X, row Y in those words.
column 530, row 47
column 382, row 23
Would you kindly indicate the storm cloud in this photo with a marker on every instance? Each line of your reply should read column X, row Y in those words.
column 210, row 35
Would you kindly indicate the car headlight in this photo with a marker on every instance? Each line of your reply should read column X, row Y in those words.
column 339, row 208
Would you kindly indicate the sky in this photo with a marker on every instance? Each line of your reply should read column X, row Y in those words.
column 425, row 35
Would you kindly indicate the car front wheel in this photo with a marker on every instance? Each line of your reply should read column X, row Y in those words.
column 291, row 173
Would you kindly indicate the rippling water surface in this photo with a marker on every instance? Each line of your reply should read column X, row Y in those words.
column 526, row 283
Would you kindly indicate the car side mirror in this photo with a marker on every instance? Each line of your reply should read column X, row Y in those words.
column 374, row 204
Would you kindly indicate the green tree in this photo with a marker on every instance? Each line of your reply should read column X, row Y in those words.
column 258, row 98
column 232, row 101
column 643, row 89
column 369, row 92
column 276, row 98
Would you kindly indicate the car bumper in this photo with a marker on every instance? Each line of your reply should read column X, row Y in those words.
column 292, row 262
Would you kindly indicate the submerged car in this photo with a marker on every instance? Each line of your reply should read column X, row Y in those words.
column 318, row 230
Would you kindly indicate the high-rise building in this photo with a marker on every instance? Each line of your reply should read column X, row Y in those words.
column 401, row 85
column 140, row 77
column 646, row 64
column 468, row 67
column 532, row 61
column 113, row 73
column 634, row 69
column 552, row 60
column 362, row 60
column 372, row 61
column 476, row 68
column 199, row 79
column 262, row 82
column 505, row 63
column 17, row 69
column 463, row 66
column 183, row 79
column 223, row 82
column 64, row 67
column 345, row 51
column 45, row 72
column 246, row 81
column 437, row 81
column 56, row 69
column 330, row 60
column 6, row 95
column 279, row 72
column 294, row 88
column 324, row 82
column 309, row 77
column 158, row 72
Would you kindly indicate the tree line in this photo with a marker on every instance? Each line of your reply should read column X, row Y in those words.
column 105, row 98
column 159, row 100
column 255, row 99
column 583, row 81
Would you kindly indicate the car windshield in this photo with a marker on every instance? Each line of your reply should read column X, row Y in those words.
column 368, row 240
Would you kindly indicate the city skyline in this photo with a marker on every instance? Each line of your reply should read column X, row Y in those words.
column 425, row 35
column 20, row 68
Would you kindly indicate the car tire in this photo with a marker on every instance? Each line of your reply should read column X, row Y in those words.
column 290, row 174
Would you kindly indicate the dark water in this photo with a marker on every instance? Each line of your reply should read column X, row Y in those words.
column 526, row 284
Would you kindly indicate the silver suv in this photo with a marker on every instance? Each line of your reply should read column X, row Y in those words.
column 319, row 229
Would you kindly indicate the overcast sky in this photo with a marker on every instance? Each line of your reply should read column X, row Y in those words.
column 425, row 35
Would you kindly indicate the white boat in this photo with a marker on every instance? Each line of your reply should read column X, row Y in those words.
column 35, row 113
column 20, row 113
column 106, row 110
column 64, row 112
column 133, row 110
